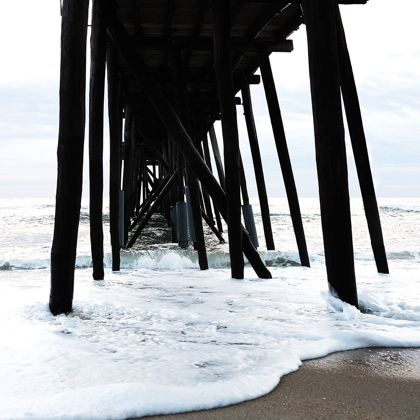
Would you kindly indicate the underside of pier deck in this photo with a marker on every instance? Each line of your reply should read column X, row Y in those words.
column 174, row 68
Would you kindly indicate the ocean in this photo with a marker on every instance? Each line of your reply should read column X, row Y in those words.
column 161, row 336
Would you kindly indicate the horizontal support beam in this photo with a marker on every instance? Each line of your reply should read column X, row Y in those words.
column 239, row 44
column 210, row 79
column 338, row 1
column 210, row 99
column 295, row 1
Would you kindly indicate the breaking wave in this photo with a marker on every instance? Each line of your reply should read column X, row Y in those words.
column 158, row 259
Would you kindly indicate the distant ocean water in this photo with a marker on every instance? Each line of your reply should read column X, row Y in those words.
column 26, row 226
column 162, row 336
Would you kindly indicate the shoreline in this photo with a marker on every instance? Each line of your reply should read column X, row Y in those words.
column 372, row 383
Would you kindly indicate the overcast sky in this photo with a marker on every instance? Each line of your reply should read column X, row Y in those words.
column 385, row 51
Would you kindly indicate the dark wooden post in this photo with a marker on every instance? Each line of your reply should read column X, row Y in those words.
column 128, row 163
column 258, row 168
column 193, row 185
column 247, row 212
column 177, row 131
column 171, row 161
column 222, row 59
column 131, row 163
column 139, row 180
column 69, row 154
column 145, row 178
column 115, row 137
column 283, row 154
column 96, row 137
column 136, row 165
column 165, row 153
column 331, row 162
column 360, row 151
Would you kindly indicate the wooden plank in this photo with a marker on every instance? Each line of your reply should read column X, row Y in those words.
column 201, row 18
column 291, row 26
column 206, row 44
column 169, row 16
column 260, row 22
column 330, row 149
column 71, row 136
column 264, row 18
column 202, row 79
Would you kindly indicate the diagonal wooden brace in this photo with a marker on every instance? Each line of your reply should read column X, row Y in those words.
column 170, row 119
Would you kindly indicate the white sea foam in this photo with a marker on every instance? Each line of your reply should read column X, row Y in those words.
column 162, row 336
column 161, row 259
column 153, row 341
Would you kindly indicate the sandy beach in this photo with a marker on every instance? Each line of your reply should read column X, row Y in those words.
column 377, row 383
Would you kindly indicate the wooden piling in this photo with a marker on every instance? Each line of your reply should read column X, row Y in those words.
column 222, row 59
column 139, row 182
column 69, row 154
column 193, row 185
column 115, row 137
column 169, row 118
column 171, row 159
column 165, row 155
column 135, row 181
column 258, row 168
column 360, row 151
column 283, row 155
column 182, row 222
column 128, row 166
column 247, row 212
column 96, row 129
column 331, row 162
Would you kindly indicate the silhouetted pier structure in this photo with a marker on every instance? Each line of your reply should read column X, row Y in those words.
column 173, row 68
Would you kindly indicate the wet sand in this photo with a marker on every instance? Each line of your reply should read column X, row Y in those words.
column 380, row 383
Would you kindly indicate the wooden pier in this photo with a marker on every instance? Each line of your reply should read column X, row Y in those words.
column 173, row 68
